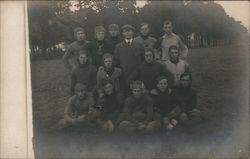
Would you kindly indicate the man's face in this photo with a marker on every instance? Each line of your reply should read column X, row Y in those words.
column 108, row 89
column 80, row 92
column 174, row 54
column 83, row 59
column 137, row 92
column 185, row 81
column 128, row 33
column 100, row 36
column 113, row 33
column 108, row 62
column 162, row 85
column 80, row 36
column 149, row 56
column 144, row 30
column 168, row 29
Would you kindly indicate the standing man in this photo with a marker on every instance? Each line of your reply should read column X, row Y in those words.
column 98, row 47
column 71, row 55
column 144, row 38
column 168, row 39
column 128, row 55
column 114, row 37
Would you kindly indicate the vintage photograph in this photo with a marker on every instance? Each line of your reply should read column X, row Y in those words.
column 139, row 79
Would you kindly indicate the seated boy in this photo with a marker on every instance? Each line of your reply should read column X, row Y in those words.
column 138, row 111
column 84, row 73
column 79, row 109
column 149, row 71
column 110, row 107
column 186, row 98
column 163, row 102
column 108, row 73
column 176, row 65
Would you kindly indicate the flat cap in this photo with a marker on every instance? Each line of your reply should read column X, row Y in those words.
column 128, row 27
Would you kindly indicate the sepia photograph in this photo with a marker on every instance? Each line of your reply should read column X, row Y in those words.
column 139, row 79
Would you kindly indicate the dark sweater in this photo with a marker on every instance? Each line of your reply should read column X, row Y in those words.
column 85, row 74
column 148, row 74
column 97, row 50
column 128, row 57
column 144, row 104
column 111, row 106
column 185, row 98
column 163, row 101
column 113, row 41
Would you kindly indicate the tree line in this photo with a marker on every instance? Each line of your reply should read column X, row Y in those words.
column 198, row 23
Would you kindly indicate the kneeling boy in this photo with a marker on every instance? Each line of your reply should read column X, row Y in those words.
column 80, row 109
column 164, row 105
column 138, row 111
column 186, row 98
column 110, row 107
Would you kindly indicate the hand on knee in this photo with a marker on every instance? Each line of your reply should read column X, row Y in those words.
column 183, row 117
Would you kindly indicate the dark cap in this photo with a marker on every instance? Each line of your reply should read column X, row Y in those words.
column 77, row 29
column 113, row 27
column 128, row 27
column 99, row 29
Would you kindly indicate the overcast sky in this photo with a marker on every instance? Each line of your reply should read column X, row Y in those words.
column 239, row 10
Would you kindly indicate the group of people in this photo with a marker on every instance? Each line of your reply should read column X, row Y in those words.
column 130, row 84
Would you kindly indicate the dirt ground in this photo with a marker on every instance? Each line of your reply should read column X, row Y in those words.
column 220, row 75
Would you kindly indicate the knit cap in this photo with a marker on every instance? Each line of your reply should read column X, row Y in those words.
column 77, row 29
column 99, row 29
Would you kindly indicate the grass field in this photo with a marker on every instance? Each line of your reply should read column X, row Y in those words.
column 220, row 75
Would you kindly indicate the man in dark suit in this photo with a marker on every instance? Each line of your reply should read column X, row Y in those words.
column 128, row 55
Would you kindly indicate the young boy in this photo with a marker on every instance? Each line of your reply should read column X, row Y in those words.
column 98, row 47
column 164, row 104
column 71, row 54
column 145, row 39
column 168, row 39
column 108, row 73
column 110, row 106
column 114, row 37
column 138, row 111
column 84, row 73
column 149, row 71
column 79, row 109
column 187, row 100
column 176, row 65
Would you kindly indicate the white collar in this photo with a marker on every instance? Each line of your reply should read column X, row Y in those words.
column 129, row 40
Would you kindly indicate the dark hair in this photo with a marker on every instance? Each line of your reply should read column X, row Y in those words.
column 83, row 52
column 104, row 83
column 167, row 22
column 186, row 74
column 148, row 49
column 107, row 55
column 161, row 78
column 143, row 23
column 173, row 47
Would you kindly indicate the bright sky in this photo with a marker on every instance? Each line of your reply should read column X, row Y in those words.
column 239, row 10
